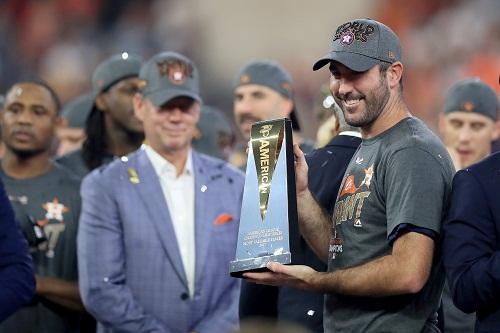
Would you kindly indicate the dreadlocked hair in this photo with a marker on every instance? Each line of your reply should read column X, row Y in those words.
column 94, row 147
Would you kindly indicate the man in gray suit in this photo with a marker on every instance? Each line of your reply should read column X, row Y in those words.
column 159, row 226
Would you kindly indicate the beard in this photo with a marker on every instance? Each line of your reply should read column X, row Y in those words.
column 375, row 102
column 24, row 154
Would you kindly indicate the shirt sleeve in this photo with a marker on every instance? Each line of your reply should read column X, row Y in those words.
column 416, row 190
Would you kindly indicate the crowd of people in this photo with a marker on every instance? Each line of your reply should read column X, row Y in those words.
column 130, row 223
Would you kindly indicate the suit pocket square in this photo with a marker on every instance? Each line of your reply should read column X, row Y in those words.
column 223, row 219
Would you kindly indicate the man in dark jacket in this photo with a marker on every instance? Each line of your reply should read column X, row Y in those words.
column 471, row 247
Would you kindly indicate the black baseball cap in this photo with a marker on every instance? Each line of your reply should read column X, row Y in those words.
column 362, row 44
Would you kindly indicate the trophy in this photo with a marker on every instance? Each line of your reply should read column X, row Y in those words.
column 268, row 229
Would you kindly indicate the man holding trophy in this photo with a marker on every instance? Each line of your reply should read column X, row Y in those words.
column 383, row 274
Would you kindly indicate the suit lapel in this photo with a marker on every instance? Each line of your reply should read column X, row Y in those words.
column 204, row 212
column 151, row 193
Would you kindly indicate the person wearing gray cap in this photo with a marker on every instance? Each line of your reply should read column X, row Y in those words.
column 384, row 274
column 469, row 121
column 159, row 226
column 71, row 133
column 215, row 135
column 468, row 125
column 263, row 90
column 111, row 127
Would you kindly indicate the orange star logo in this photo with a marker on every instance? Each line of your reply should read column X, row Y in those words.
column 349, row 186
column 368, row 176
column 468, row 106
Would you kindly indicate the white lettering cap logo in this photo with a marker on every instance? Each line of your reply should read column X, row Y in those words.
column 178, row 76
column 347, row 38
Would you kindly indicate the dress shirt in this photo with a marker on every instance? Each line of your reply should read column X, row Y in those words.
column 179, row 195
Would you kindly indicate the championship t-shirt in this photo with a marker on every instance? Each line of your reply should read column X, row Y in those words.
column 47, row 208
column 400, row 178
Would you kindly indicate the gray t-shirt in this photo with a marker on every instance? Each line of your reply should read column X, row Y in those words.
column 52, row 203
column 402, row 177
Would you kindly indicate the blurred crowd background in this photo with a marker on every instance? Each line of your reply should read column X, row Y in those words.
column 62, row 41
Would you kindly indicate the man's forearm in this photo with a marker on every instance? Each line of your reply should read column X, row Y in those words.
column 402, row 272
column 315, row 224
column 60, row 291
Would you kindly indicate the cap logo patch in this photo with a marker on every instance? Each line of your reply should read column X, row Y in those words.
column 286, row 86
column 391, row 55
column 176, row 70
column 347, row 38
column 356, row 31
column 245, row 78
column 468, row 106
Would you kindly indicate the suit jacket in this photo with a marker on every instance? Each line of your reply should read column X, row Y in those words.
column 131, row 273
column 327, row 166
column 471, row 246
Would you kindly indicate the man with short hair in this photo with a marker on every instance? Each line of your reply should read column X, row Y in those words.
column 159, row 226
column 469, row 123
column 264, row 90
column 393, row 198
column 111, row 127
column 46, row 204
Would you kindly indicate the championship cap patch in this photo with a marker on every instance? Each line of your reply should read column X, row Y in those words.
column 176, row 70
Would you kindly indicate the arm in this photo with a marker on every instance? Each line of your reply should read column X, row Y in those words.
column 315, row 224
column 17, row 280
column 59, row 291
column 470, row 246
column 101, row 263
column 409, row 200
column 403, row 271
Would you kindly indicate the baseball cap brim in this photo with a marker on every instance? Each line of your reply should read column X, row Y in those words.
column 353, row 61
column 161, row 97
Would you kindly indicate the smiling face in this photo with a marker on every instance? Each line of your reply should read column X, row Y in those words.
column 362, row 96
column 171, row 127
column 468, row 136
column 29, row 119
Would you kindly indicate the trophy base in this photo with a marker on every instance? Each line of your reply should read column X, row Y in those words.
column 238, row 267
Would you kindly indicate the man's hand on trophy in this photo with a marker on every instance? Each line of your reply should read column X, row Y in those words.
column 300, row 170
column 295, row 276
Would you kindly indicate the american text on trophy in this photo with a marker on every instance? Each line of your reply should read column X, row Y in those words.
column 268, row 228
